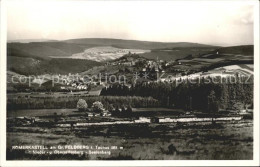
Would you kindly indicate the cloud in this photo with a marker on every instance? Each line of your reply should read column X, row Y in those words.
column 245, row 15
column 247, row 18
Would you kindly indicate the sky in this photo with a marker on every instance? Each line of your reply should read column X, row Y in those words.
column 165, row 21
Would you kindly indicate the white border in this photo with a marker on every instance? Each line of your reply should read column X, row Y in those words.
column 3, row 34
column 256, row 155
column 256, row 83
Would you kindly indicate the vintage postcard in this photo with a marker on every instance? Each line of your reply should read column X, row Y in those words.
column 122, row 82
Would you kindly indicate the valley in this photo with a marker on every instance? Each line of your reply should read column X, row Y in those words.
column 131, row 91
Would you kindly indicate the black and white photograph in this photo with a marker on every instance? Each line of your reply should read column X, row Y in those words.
column 127, row 81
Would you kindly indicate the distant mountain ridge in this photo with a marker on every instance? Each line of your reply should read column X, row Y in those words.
column 30, row 40
column 68, row 48
column 133, row 44
column 41, row 57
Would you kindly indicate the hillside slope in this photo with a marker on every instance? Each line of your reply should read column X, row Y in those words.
column 40, row 57
column 243, row 52
column 67, row 48
column 169, row 54
column 46, row 49
column 34, row 66
column 133, row 44
column 247, row 50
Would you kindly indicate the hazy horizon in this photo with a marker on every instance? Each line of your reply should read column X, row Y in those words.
column 55, row 40
column 212, row 23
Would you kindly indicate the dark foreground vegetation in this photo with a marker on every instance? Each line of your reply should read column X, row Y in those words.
column 195, row 95
column 172, row 141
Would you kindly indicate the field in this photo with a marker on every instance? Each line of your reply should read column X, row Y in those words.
column 226, row 71
column 204, row 59
column 226, row 141
column 138, row 141
column 40, row 112
column 170, row 54
column 105, row 53
column 136, row 112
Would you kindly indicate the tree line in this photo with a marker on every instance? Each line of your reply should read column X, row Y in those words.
column 185, row 94
column 52, row 102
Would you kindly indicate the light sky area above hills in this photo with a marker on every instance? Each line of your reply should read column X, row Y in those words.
column 217, row 22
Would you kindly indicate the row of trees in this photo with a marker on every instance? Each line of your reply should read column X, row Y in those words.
column 97, row 107
column 52, row 102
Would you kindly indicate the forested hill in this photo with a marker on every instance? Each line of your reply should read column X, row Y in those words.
column 133, row 44
column 242, row 49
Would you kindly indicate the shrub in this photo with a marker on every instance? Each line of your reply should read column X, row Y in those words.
column 82, row 105
column 237, row 105
column 97, row 106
